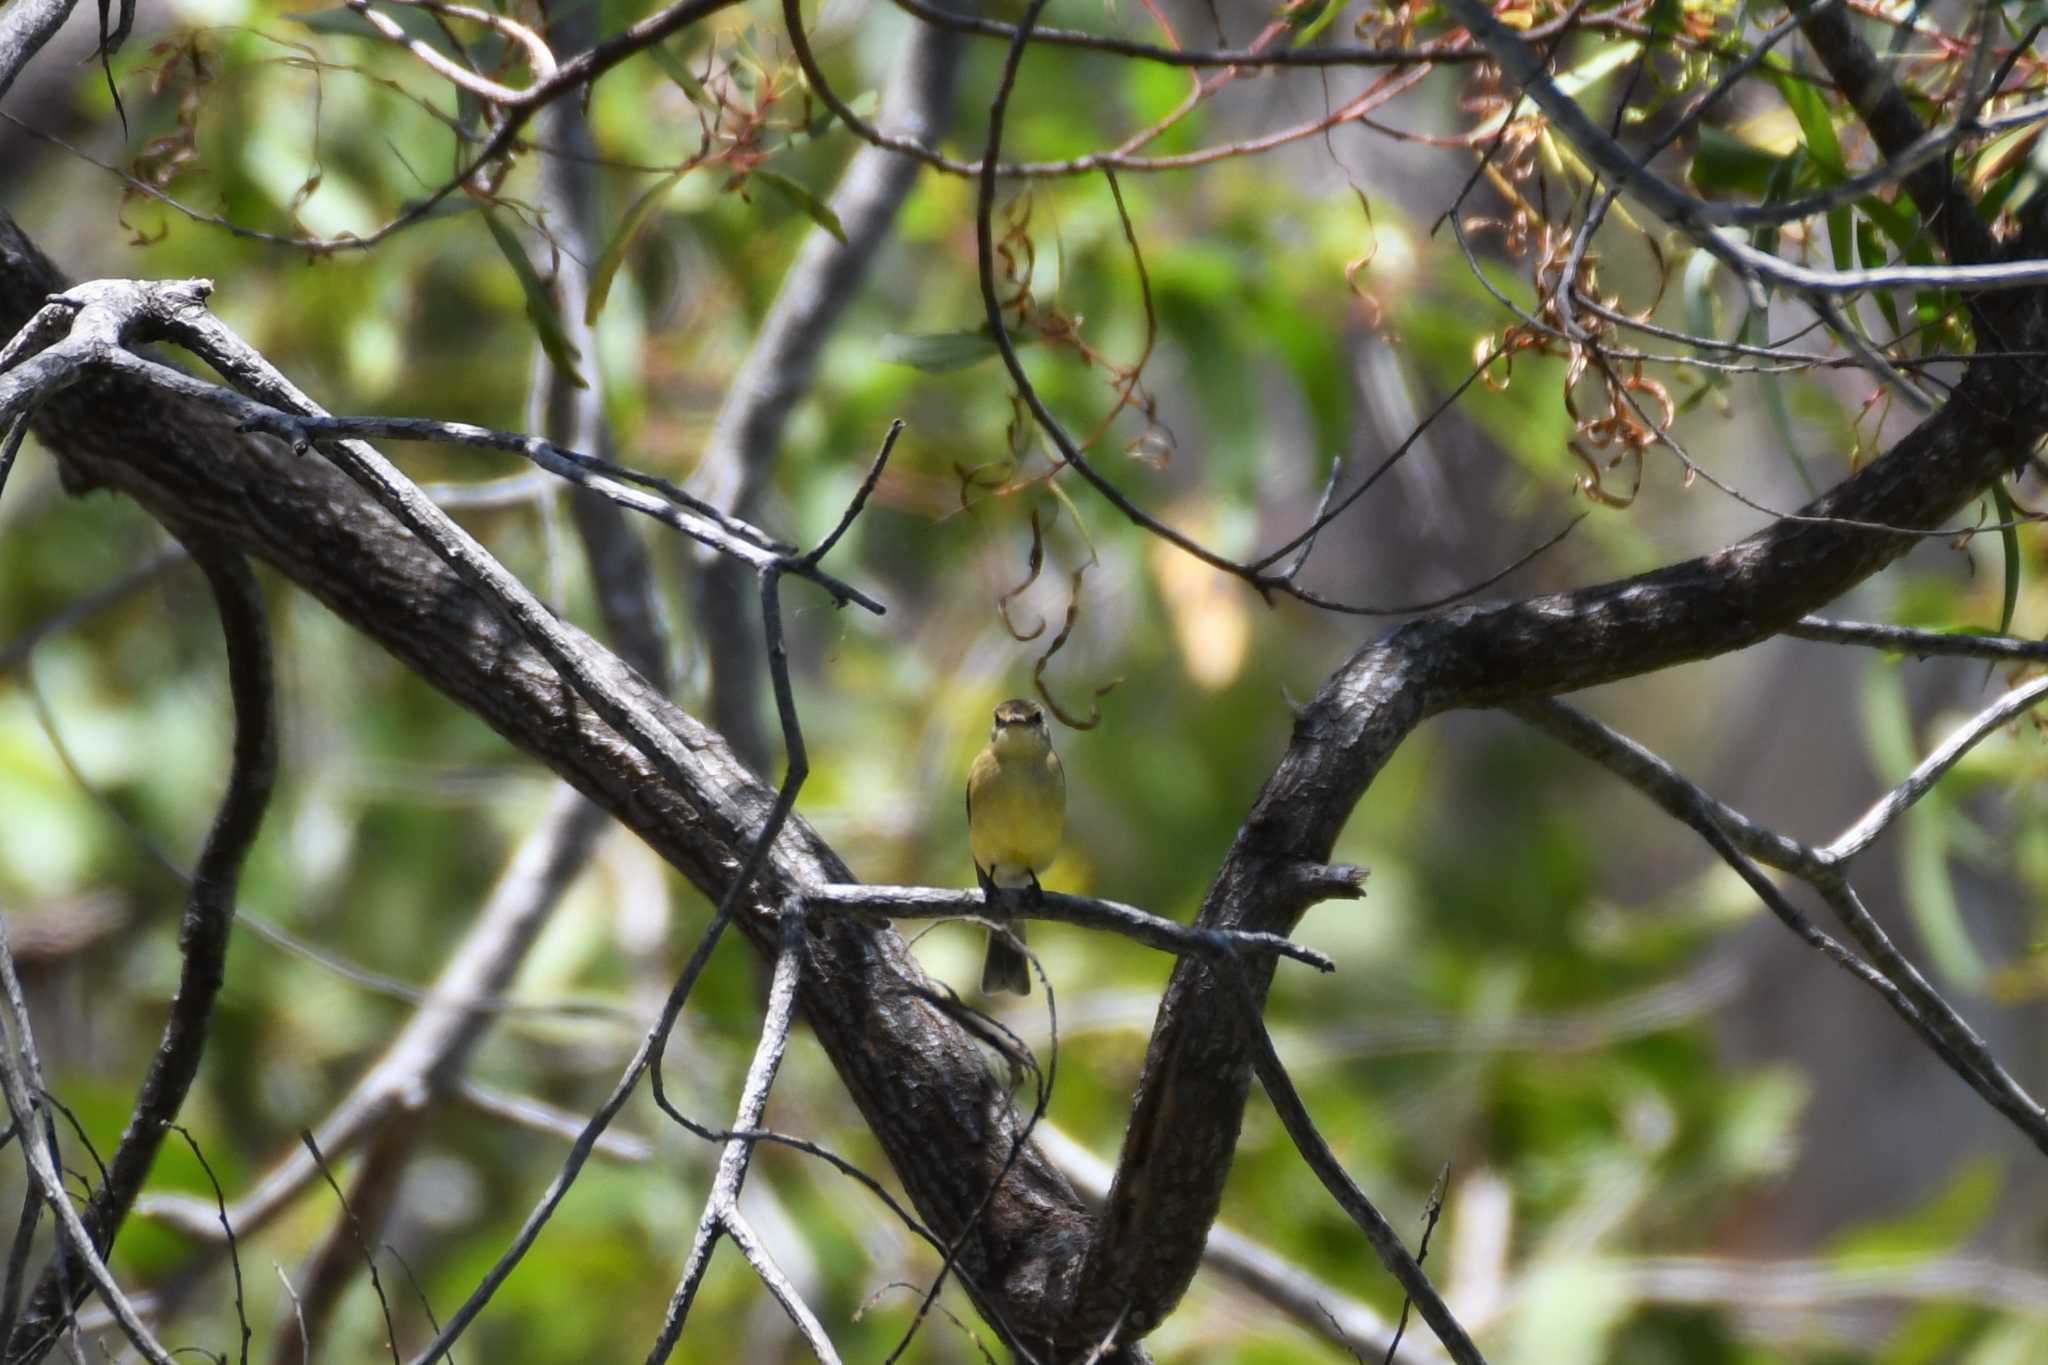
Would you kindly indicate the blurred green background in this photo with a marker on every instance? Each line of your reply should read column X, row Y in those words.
column 1674, row 1134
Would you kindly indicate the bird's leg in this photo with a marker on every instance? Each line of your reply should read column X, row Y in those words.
column 1037, row 891
column 988, row 886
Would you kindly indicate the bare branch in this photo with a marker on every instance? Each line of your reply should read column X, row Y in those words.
column 541, row 1117
column 203, row 937
column 1921, row 644
column 722, row 1205
column 227, row 1232
column 891, row 1046
column 1315, row 1305
column 1900, row 799
column 25, row 26
column 1386, row 1243
column 924, row 902
column 1176, row 1152
column 807, row 1325
column 1696, row 217
column 1732, row 836
column 334, row 1263
column 77, row 1250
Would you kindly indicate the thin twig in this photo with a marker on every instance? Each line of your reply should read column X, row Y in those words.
column 227, row 1232
column 1931, row 769
column 1385, row 1242
column 721, row 1205
column 77, row 1251
column 203, row 932
column 1430, row 1214
column 362, row 1241
column 1737, row 840
column 1920, row 644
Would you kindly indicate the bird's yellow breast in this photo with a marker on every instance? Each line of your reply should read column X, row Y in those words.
column 1016, row 811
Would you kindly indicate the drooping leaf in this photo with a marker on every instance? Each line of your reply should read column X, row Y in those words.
column 937, row 352
column 540, row 302
column 1725, row 164
column 630, row 228
column 2009, row 541
column 678, row 71
column 814, row 208
column 1816, row 126
column 1872, row 253
column 1702, row 305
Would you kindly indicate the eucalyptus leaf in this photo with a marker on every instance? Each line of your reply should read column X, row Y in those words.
column 938, row 352
column 540, row 302
column 630, row 227
column 814, row 208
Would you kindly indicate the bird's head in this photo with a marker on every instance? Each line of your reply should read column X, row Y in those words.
column 1020, row 729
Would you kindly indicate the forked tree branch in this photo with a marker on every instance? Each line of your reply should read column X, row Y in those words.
column 1192, row 1091
column 1039, row 1266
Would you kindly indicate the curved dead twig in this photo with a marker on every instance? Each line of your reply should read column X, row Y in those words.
column 347, row 1242
column 1255, row 575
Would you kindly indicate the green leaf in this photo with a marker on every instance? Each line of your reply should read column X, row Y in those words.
column 938, row 352
column 814, row 208
column 1944, row 1223
column 1777, row 409
column 1314, row 27
column 1702, row 304
column 1840, row 240
column 677, row 70
column 1816, row 124
column 2030, row 178
column 1725, row 164
column 630, row 228
column 540, row 302
column 2009, row 538
column 1900, row 223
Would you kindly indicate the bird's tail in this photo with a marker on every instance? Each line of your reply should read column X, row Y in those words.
column 1006, row 968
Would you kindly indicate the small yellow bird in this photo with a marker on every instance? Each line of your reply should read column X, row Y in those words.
column 1016, row 806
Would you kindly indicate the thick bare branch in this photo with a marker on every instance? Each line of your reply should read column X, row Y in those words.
column 25, row 26
column 921, row 1083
